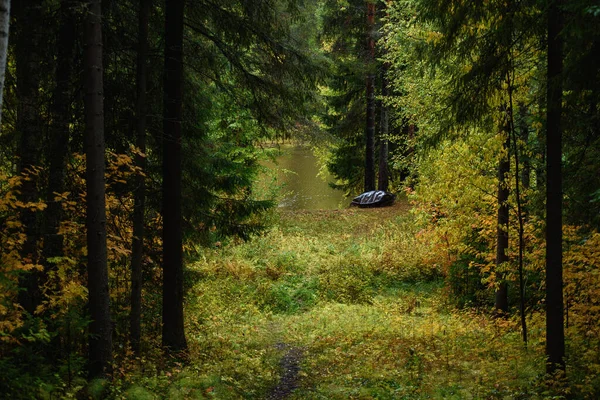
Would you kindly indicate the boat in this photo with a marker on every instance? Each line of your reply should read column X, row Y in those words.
column 373, row 198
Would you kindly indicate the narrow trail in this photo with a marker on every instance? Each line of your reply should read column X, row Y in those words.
column 290, row 367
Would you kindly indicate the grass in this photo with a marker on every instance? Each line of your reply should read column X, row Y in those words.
column 348, row 288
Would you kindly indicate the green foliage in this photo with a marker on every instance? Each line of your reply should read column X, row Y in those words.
column 290, row 296
column 360, row 292
column 582, row 280
column 409, row 347
column 97, row 388
column 316, row 281
column 139, row 393
column 343, row 115
column 466, row 280
column 348, row 280
column 220, row 166
column 458, row 67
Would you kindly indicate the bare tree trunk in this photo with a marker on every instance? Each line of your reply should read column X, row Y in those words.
column 555, row 335
column 384, row 172
column 29, row 126
column 4, row 25
column 370, row 93
column 100, row 330
column 524, row 136
column 58, row 148
column 140, row 186
column 520, row 213
column 501, row 302
column 173, row 334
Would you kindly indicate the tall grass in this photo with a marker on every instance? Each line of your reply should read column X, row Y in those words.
column 354, row 291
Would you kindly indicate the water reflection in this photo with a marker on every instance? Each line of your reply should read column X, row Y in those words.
column 297, row 170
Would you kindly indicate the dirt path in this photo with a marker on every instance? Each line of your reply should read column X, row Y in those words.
column 290, row 367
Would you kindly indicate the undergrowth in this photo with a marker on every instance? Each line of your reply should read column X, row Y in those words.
column 349, row 288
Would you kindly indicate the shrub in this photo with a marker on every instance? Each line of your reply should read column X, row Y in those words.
column 346, row 281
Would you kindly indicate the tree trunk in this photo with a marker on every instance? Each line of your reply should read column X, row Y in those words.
column 29, row 125
column 140, row 186
column 173, row 335
column 539, row 164
column 370, row 93
column 100, row 335
column 555, row 336
column 525, row 159
column 520, row 213
column 58, row 148
column 501, row 302
column 4, row 25
column 384, row 172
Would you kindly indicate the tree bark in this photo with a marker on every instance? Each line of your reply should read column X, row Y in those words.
column 58, row 148
column 30, row 127
column 520, row 213
column 4, row 27
column 525, row 159
column 140, row 183
column 501, row 301
column 384, row 172
column 173, row 334
column 370, row 93
column 100, row 330
column 555, row 336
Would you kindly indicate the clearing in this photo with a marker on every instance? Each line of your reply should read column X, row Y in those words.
column 334, row 305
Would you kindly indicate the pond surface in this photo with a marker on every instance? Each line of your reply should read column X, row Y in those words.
column 297, row 170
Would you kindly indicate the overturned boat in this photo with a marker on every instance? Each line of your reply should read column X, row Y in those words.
column 374, row 198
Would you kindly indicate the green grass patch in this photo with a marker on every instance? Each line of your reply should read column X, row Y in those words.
column 348, row 287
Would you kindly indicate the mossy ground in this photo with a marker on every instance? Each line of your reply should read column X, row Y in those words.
column 347, row 288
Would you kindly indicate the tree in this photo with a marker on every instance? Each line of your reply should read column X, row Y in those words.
column 555, row 336
column 173, row 334
column 370, row 100
column 100, row 330
column 482, row 42
column 28, row 54
column 251, row 76
column 383, row 179
column 501, row 300
column 140, row 182
column 248, row 79
column 57, row 151
column 4, row 24
column 349, row 40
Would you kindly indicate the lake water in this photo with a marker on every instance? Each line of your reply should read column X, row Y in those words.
column 297, row 170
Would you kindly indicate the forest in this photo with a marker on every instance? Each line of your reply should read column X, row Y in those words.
column 146, row 251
